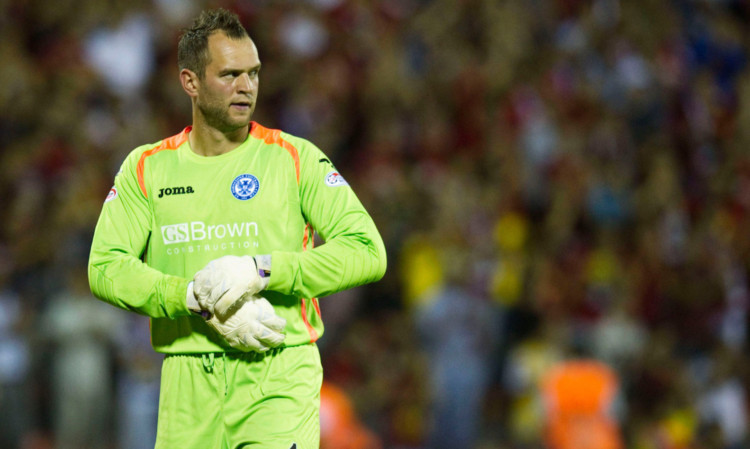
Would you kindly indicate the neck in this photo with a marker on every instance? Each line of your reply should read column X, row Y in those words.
column 206, row 140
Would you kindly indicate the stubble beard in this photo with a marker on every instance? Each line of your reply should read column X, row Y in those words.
column 217, row 116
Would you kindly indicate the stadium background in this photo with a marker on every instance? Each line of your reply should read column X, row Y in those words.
column 561, row 175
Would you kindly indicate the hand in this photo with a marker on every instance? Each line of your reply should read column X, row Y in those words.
column 253, row 327
column 223, row 281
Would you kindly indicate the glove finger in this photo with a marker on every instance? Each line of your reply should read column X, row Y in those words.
column 251, row 344
column 203, row 283
column 262, row 304
column 243, row 342
column 274, row 322
column 229, row 302
column 269, row 337
column 202, row 291
column 206, row 295
column 218, row 292
column 266, row 314
column 254, row 281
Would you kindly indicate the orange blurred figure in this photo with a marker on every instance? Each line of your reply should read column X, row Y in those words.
column 340, row 428
column 579, row 396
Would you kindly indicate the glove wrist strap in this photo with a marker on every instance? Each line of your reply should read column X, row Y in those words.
column 192, row 303
column 263, row 263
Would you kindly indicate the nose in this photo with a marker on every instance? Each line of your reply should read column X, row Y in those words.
column 245, row 83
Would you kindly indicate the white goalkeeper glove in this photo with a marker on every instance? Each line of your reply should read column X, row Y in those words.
column 223, row 281
column 253, row 327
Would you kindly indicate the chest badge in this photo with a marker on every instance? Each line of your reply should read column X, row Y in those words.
column 245, row 186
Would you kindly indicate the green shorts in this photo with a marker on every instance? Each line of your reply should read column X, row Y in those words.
column 239, row 400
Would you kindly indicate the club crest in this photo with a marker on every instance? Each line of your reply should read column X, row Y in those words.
column 245, row 186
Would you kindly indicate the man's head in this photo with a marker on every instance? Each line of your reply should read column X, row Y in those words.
column 219, row 67
column 192, row 50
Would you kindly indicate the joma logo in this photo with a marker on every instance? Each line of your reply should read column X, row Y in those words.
column 175, row 191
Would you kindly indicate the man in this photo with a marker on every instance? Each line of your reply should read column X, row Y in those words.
column 210, row 233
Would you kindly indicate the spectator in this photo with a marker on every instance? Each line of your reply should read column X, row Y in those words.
column 81, row 333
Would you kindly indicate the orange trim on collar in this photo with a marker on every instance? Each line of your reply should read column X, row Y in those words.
column 273, row 136
column 170, row 143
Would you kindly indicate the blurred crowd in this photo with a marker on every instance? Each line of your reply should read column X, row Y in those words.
column 554, row 179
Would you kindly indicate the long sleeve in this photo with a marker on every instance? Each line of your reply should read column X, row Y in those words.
column 353, row 253
column 116, row 272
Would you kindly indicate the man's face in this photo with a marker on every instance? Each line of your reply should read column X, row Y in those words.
column 227, row 93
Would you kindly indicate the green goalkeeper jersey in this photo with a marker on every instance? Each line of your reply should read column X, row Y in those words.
column 172, row 211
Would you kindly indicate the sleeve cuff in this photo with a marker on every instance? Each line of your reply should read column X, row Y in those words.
column 283, row 276
column 176, row 305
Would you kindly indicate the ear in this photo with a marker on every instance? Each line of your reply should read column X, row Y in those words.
column 190, row 82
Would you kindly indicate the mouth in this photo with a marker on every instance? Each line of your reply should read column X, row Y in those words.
column 241, row 105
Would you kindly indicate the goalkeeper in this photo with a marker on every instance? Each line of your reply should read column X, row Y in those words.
column 210, row 234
